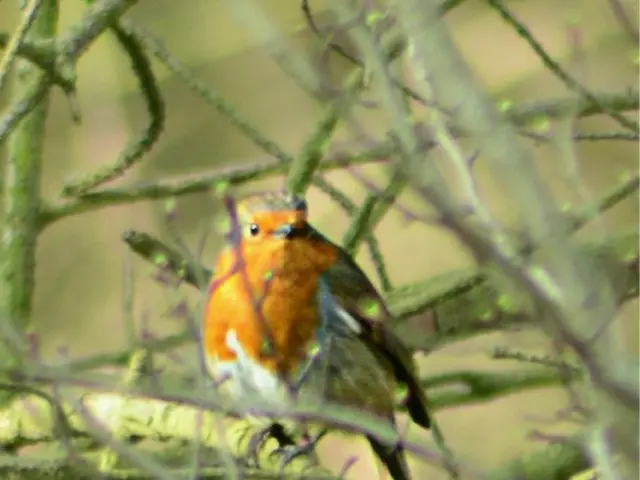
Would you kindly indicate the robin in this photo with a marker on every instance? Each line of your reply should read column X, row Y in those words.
column 290, row 315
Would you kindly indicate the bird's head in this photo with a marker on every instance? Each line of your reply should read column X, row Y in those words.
column 272, row 218
column 275, row 234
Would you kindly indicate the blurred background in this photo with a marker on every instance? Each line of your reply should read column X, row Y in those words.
column 81, row 260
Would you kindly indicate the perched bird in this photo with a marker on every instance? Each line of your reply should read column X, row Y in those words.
column 290, row 310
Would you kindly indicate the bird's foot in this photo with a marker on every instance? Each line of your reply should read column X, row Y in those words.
column 290, row 452
column 258, row 439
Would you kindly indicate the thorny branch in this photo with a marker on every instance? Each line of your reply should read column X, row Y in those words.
column 461, row 304
column 63, row 52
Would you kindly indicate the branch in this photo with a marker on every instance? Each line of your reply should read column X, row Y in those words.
column 97, row 17
column 18, row 38
column 28, row 101
column 373, row 209
column 58, row 57
column 625, row 22
column 445, row 7
column 42, row 54
column 471, row 387
column 372, row 242
column 555, row 68
column 301, row 171
column 21, row 192
column 165, row 424
column 572, row 296
column 59, row 468
column 164, row 407
column 463, row 303
column 555, row 461
column 269, row 167
column 211, row 96
column 134, row 151
column 528, row 112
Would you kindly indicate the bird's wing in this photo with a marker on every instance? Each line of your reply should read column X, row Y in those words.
column 351, row 305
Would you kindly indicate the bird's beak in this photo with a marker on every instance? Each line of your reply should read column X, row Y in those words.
column 288, row 231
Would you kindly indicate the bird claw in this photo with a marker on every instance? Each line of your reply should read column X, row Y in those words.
column 258, row 439
column 290, row 452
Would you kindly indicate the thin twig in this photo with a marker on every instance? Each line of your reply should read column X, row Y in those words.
column 301, row 171
column 554, row 67
column 17, row 39
column 206, row 92
column 134, row 151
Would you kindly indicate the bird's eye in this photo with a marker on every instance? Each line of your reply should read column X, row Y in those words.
column 254, row 229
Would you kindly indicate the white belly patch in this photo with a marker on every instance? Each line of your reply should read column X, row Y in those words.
column 246, row 380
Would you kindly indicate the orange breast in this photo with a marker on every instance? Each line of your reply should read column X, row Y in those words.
column 283, row 279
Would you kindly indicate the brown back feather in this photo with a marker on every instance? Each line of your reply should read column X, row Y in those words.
column 357, row 295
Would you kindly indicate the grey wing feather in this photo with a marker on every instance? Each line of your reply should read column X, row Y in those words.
column 343, row 293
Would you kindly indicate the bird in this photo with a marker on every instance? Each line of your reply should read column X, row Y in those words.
column 288, row 310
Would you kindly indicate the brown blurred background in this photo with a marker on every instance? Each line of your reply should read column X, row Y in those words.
column 80, row 260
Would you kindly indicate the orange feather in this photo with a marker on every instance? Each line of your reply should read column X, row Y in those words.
column 282, row 275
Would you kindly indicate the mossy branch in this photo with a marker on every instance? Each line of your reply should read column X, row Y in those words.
column 21, row 197
column 555, row 461
column 25, row 120
column 172, row 429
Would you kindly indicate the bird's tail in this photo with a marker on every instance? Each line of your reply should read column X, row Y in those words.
column 393, row 459
column 417, row 404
